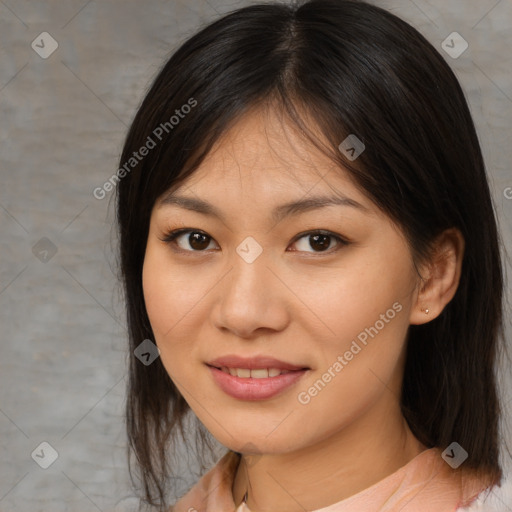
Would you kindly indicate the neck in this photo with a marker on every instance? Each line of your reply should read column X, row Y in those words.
column 332, row 470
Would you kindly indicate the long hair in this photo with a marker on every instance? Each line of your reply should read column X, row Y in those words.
column 353, row 68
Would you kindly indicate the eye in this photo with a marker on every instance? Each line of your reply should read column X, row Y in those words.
column 319, row 240
column 196, row 239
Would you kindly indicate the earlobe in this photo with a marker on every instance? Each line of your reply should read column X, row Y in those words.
column 442, row 278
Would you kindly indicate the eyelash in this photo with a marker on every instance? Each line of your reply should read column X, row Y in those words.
column 170, row 238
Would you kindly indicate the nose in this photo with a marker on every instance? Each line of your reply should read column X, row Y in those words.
column 251, row 299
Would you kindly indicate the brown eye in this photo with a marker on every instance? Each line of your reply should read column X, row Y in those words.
column 197, row 240
column 319, row 242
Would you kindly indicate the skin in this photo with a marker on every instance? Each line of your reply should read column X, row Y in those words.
column 298, row 304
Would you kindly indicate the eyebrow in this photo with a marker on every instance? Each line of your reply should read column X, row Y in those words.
column 278, row 213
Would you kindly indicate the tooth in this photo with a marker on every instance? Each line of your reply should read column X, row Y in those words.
column 259, row 374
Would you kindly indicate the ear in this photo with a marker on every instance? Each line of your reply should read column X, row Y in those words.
column 441, row 275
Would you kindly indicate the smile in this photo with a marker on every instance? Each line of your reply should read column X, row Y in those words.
column 257, row 373
column 255, row 383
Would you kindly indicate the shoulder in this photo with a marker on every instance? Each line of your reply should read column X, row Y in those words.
column 495, row 499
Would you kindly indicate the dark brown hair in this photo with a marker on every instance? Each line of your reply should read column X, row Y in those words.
column 355, row 69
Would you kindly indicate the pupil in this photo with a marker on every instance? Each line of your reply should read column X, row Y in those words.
column 318, row 242
column 324, row 244
column 198, row 241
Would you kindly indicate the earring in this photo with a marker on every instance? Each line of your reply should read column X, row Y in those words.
column 426, row 310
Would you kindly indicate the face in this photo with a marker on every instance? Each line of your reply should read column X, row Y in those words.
column 321, row 292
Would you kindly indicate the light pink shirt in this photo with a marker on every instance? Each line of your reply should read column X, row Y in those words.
column 425, row 484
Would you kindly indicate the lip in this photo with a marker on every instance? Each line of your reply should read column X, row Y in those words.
column 234, row 361
column 255, row 389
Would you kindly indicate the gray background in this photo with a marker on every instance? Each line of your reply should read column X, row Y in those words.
column 62, row 123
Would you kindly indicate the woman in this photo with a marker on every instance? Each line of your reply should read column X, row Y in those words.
column 315, row 255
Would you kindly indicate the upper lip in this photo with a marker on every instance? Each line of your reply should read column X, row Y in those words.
column 234, row 361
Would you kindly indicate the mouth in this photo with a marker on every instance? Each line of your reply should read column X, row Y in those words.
column 254, row 373
column 259, row 367
column 256, row 378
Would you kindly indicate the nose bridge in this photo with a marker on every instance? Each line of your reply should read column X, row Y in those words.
column 248, row 279
column 250, row 296
column 249, row 262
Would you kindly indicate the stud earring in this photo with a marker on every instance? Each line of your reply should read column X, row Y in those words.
column 426, row 310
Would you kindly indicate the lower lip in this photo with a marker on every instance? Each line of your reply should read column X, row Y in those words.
column 254, row 389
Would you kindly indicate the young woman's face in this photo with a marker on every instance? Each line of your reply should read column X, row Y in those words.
column 259, row 281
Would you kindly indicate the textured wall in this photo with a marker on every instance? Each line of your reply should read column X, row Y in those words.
column 63, row 119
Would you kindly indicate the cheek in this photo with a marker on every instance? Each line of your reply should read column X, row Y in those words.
column 351, row 299
column 161, row 296
column 365, row 311
column 171, row 295
column 157, row 296
column 174, row 300
column 354, row 374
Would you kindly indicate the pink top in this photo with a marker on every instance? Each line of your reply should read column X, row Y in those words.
column 425, row 484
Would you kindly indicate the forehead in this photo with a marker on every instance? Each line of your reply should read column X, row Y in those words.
column 265, row 154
